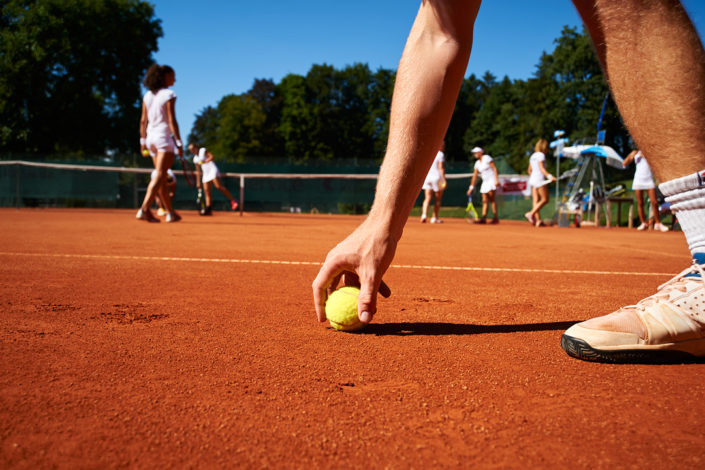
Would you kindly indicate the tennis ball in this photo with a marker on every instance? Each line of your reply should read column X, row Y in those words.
column 341, row 309
column 145, row 152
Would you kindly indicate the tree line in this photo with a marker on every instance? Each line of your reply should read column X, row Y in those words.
column 70, row 75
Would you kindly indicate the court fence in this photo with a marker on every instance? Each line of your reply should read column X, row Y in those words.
column 98, row 184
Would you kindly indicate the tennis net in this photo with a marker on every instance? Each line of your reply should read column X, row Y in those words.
column 43, row 184
column 46, row 184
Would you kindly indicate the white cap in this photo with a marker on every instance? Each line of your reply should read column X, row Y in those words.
column 476, row 149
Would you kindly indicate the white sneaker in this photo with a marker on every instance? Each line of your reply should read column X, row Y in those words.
column 423, row 219
column 669, row 326
column 146, row 216
column 173, row 217
column 436, row 221
column 643, row 227
column 161, row 212
column 660, row 227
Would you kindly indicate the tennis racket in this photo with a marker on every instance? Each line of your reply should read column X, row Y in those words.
column 568, row 174
column 186, row 166
column 470, row 211
column 189, row 174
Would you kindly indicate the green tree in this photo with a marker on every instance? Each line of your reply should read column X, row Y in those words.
column 204, row 132
column 472, row 96
column 353, row 126
column 379, row 105
column 296, row 124
column 265, row 93
column 240, row 128
column 70, row 74
column 323, row 101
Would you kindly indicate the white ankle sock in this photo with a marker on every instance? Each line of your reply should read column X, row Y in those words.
column 686, row 196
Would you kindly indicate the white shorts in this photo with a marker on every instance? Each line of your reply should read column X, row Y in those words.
column 160, row 143
column 536, row 182
column 169, row 173
column 210, row 172
column 433, row 184
column 487, row 186
column 643, row 184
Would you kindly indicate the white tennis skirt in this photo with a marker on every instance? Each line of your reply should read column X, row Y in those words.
column 210, row 172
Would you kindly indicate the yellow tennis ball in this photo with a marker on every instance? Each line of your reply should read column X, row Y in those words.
column 341, row 309
column 145, row 152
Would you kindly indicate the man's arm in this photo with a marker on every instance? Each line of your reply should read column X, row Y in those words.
column 428, row 80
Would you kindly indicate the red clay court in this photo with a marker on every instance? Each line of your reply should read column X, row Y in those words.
column 127, row 344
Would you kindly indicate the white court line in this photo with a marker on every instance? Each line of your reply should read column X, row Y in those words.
column 313, row 263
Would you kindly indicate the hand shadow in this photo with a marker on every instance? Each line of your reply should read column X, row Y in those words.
column 437, row 328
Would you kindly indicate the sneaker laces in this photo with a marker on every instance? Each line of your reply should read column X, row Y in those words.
column 693, row 273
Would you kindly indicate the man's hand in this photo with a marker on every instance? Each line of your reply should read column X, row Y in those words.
column 360, row 260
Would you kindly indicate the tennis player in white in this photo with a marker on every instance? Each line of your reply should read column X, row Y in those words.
column 209, row 176
column 539, row 178
column 487, row 170
column 159, row 134
column 433, row 186
column 644, row 181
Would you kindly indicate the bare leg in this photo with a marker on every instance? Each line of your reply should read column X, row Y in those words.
column 640, row 205
column 437, row 204
column 490, row 197
column 164, row 200
column 207, row 191
column 542, row 200
column 534, row 200
column 653, row 201
column 163, row 162
column 485, row 204
column 655, row 64
column 222, row 188
column 426, row 203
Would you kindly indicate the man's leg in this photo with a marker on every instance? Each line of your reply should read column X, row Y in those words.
column 655, row 64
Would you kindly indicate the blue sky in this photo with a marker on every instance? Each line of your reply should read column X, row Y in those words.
column 219, row 47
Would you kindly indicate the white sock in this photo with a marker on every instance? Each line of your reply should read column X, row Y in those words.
column 686, row 196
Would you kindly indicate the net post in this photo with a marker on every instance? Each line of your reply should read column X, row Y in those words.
column 17, row 175
column 242, row 193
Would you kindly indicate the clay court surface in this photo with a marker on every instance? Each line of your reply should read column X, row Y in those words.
column 127, row 344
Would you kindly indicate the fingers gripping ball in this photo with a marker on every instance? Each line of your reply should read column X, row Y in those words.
column 341, row 309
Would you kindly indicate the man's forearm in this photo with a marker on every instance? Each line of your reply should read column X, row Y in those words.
column 423, row 102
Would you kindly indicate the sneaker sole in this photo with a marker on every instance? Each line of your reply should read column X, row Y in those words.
column 579, row 349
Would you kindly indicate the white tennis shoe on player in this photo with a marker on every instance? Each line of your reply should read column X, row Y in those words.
column 669, row 326
column 146, row 216
column 172, row 217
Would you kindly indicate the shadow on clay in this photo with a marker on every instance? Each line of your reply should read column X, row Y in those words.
column 436, row 328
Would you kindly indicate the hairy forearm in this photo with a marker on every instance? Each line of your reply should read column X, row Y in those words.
column 428, row 79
